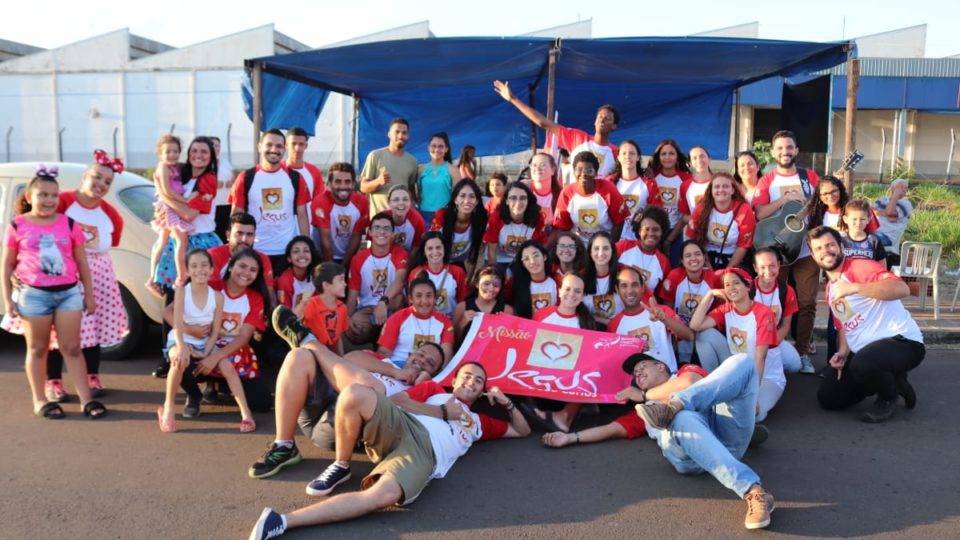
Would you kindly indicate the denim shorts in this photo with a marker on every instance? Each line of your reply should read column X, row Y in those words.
column 34, row 302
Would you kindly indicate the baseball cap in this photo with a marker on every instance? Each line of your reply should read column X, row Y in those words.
column 631, row 361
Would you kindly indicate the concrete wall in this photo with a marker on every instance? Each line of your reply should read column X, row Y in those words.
column 925, row 145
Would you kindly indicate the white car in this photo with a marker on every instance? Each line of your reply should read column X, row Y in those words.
column 132, row 195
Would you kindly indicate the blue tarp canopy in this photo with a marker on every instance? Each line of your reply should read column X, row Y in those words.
column 680, row 88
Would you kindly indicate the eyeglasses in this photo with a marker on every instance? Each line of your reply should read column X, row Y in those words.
column 381, row 228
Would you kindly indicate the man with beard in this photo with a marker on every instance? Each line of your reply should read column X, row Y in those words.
column 276, row 197
column 590, row 205
column 387, row 167
column 575, row 140
column 340, row 214
column 879, row 342
column 412, row 437
column 242, row 232
column 776, row 188
column 657, row 324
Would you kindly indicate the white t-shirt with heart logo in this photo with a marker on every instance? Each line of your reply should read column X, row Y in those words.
column 659, row 340
column 745, row 331
column 863, row 319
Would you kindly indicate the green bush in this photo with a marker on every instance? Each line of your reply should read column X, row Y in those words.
column 934, row 218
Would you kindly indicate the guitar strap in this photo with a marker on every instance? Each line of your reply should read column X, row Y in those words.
column 727, row 231
column 805, row 182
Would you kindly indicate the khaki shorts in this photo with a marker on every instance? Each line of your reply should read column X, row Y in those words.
column 400, row 446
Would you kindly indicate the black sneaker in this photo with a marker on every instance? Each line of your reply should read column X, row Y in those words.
column 288, row 326
column 161, row 370
column 881, row 411
column 192, row 408
column 270, row 525
column 276, row 458
column 906, row 391
column 209, row 394
column 331, row 477
column 760, row 435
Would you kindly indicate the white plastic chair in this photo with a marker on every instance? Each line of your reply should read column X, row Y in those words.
column 921, row 260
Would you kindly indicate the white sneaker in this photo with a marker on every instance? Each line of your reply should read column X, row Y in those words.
column 806, row 366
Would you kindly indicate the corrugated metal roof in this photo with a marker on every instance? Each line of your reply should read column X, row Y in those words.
column 903, row 67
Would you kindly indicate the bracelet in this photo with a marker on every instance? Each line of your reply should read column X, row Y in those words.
column 384, row 299
column 443, row 413
column 577, row 433
column 510, row 406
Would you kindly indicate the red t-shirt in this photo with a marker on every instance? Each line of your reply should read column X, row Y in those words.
column 221, row 256
column 326, row 323
column 587, row 214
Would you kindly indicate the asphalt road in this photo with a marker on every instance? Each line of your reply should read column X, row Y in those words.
column 120, row 477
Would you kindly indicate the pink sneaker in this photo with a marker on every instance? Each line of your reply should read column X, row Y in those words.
column 54, row 391
column 96, row 387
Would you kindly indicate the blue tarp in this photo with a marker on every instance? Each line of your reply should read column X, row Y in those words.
column 680, row 88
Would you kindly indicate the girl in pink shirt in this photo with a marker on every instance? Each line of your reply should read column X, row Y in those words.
column 166, row 222
column 45, row 250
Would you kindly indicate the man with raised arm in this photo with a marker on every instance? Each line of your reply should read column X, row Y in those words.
column 575, row 140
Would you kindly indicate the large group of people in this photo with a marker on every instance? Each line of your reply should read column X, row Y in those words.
column 358, row 289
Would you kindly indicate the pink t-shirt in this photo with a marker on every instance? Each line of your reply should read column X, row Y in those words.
column 45, row 252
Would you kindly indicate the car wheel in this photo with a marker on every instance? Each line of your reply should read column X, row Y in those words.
column 135, row 323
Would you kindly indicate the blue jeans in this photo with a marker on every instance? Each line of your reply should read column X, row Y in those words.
column 713, row 430
column 36, row 302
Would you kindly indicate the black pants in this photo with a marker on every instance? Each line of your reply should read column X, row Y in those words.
column 55, row 362
column 875, row 369
column 256, row 390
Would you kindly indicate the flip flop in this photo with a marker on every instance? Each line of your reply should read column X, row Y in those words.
column 248, row 426
column 91, row 408
column 51, row 411
column 544, row 423
column 166, row 427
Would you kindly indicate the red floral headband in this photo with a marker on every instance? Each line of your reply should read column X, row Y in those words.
column 102, row 158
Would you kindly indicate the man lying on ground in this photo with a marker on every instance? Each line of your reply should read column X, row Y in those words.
column 413, row 437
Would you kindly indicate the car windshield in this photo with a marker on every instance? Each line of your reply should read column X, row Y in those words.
column 139, row 200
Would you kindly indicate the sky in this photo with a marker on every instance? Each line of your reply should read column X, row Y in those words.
column 180, row 23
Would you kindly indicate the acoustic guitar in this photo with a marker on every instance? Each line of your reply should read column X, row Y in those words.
column 786, row 229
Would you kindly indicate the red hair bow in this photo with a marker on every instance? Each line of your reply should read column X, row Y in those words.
column 102, row 158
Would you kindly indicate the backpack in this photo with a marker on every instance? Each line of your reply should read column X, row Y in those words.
column 248, row 183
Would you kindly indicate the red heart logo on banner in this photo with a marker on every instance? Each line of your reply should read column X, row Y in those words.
column 555, row 351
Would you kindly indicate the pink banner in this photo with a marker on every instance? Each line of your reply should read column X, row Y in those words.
column 531, row 358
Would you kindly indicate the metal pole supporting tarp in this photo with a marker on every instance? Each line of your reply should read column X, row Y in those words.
column 850, row 137
column 736, row 122
column 552, row 76
column 257, row 83
column 356, row 131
